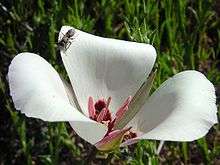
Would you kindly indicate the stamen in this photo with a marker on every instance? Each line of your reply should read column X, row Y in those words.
column 108, row 101
column 100, row 113
column 121, row 111
column 91, row 108
column 108, row 116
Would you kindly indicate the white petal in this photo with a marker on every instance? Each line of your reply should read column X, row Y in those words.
column 182, row 109
column 37, row 91
column 103, row 67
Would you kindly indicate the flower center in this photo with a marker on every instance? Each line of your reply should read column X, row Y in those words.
column 99, row 111
column 99, row 105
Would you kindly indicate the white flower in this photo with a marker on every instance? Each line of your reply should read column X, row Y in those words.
column 182, row 109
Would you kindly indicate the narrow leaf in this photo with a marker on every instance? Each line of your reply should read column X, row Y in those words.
column 137, row 102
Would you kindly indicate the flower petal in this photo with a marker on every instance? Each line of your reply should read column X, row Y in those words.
column 182, row 109
column 37, row 91
column 103, row 67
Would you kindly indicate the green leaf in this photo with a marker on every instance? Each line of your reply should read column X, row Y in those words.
column 137, row 102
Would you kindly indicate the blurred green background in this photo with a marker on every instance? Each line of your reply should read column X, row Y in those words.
column 185, row 34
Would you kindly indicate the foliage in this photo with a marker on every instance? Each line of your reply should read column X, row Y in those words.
column 184, row 33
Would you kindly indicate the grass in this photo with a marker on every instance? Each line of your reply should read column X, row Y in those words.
column 185, row 34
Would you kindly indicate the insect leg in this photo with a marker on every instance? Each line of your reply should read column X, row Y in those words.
column 68, row 45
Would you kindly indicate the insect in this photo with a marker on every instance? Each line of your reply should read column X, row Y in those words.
column 65, row 42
